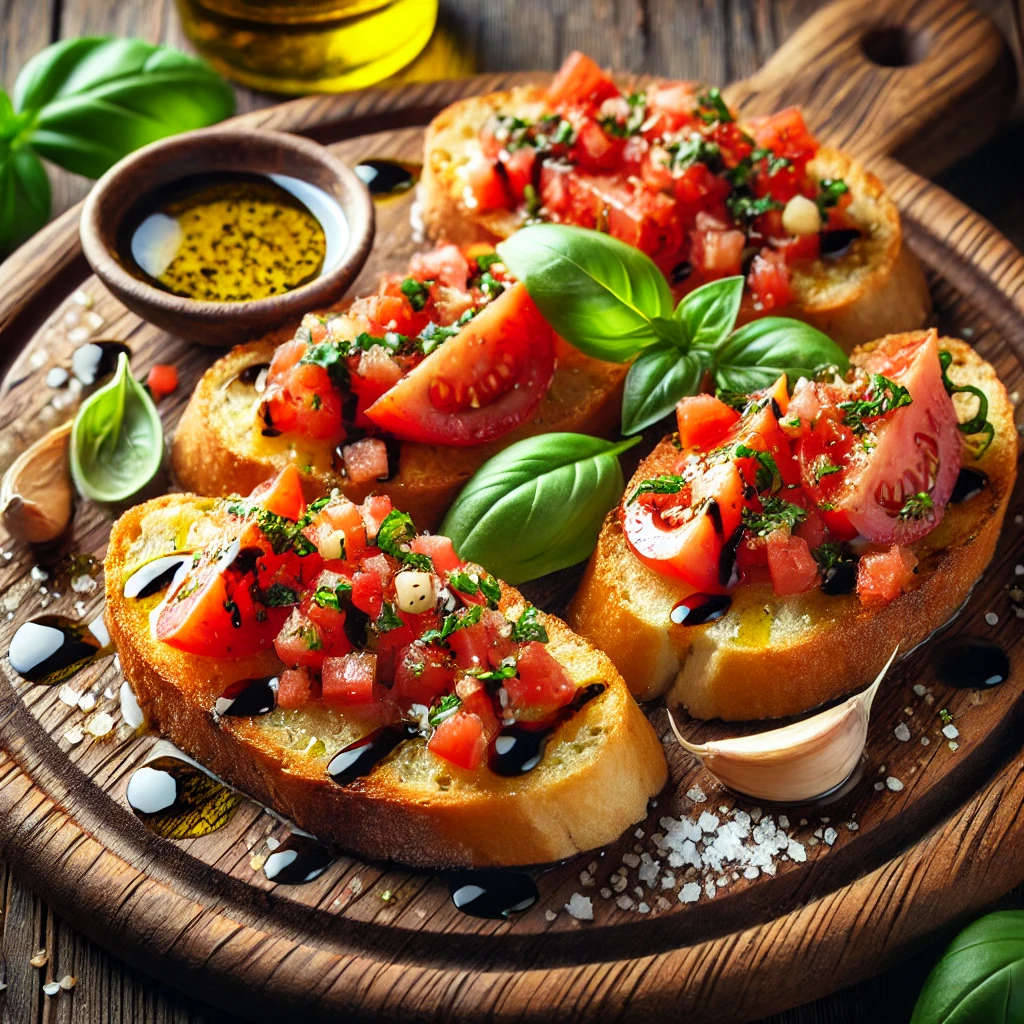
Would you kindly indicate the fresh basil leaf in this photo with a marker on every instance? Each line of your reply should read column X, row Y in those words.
column 659, row 377
column 117, row 439
column 708, row 314
column 598, row 293
column 537, row 506
column 980, row 976
column 24, row 196
column 96, row 99
column 756, row 355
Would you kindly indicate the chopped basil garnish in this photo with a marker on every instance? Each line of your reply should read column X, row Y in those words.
column 417, row 292
column 529, row 627
column 830, row 189
column 451, row 623
column 917, row 506
column 746, row 208
column 775, row 514
column 978, row 423
column 665, row 483
column 828, row 554
column 493, row 675
column 767, row 476
column 825, row 469
column 712, row 108
column 491, row 589
column 444, row 708
column 277, row 595
column 883, row 396
column 388, row 619
column 332, row 597
column 634, row 119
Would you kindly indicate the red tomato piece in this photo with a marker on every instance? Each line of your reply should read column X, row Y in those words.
column 594, row 149
column 580, row 80
column 792, row 567
column 365, row 460
column 295, row 688
column 351, row 679
column 542, row 686
column 785, row 134
column 717, row 253
column 703, row 421
column 299, row 643
column 423, row 673
column 162, row 380
column 674, row 104
column 330, row 627
column 374, row 375
column 486, row 185
column 282, row 495
column 374, row 510
column 478, row 385
column 470, row 646
column 883, row 575
column 446, row 265
column 368, row 593
column 768, row 281
column 520, row 166
column 460, row 740
column 440, row 551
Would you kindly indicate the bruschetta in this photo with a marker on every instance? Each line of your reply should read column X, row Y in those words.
column 406, row 392
column 671, row 171
column 366, row 683
column 771, row 555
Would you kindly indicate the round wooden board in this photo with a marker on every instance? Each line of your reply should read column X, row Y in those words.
column 380, row 941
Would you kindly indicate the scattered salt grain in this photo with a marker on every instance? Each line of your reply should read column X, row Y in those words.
column 606, row 893
column 643, row 908
column 830, row 836
column 696, row 794
column 631, row 860
column 752, row 872
column 74, row 736
column 707, row 822
column 639, row 833
column 68, row 982
column 86, row 702
column 1018, row 519
column 549, row 915
column 69, row 695
column 783, row 821
column 710, row 889
column 40, row 959
column 953, row 745
column 84, row 584
column 852, row 826
column 619, row 883
column 894, row 784
column 879, row 786
column 39, row 574
column 131, row 713
column 580, row 907
column 624, row 902
column 951, row 732
column 920, row 689
column 902, row 732
column 273, row 843
column 51, row 988
column 991, row 618
column 689, row 893
column 925, row 741
column 56, row 377
column 101, row 724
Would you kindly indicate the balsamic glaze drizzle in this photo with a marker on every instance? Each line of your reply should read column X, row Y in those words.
column 155, row 576
column 969, row 662
column 300, row 859
column 52, row 648
column 388, row 177
column 836, row 244
column 492, row 893
column 969, row 484
column 840, row 578
column 247, row 698
column 698, row 609
column 360, row 758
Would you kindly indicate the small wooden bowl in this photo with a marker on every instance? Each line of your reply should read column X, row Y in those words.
column 223, row 149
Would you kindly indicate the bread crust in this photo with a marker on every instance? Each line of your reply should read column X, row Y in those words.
column 879, row 288
column 218, row 449
column 600, row 769
column 770, row 656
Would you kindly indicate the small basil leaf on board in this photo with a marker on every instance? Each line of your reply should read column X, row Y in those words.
column 658, row 378
column 537, row 506
column 24, row 196
column 117, row 439
column 708, row 314
column 94, row 100
column 757, row 354
column 980, row 977
column 601, row 295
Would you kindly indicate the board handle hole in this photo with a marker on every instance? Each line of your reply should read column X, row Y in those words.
column 895, row 46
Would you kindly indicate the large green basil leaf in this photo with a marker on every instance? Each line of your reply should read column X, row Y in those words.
column 709, row 313
column 24, row 195
column 601, row 295
column 117, row 439
column 537, row 506
column 94, row 100
column 659, row 377
column 980, row 978
column 756, row 355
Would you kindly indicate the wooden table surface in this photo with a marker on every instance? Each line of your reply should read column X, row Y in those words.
column 712, row 40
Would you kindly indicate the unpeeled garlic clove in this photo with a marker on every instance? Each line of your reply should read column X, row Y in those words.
column 36, row 494
column 798, row 762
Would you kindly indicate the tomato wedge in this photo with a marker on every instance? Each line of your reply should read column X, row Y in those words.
column 480, row 384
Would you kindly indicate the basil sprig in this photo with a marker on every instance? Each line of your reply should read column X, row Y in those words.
column 117, row 439
column 979, row 974
column 611, row 302
column 86, row 103
column 537, row 506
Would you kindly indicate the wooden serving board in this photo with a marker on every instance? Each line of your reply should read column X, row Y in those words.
column 933, row 846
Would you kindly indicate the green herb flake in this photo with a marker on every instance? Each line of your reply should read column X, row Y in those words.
column 417, row 292
column 883, row 396
column 491, row 589
column 917, row 506
column 664, row 483
column 528, row 627
column 443, row 709
column 828, row 554
column 767, row 476
column 332, row 597
column 712, row 108
column 388, row 619
column 775, row 514
column 452, row 623
column 829, row 191
column 277, row 595
column 979, row 423
column 824, row 469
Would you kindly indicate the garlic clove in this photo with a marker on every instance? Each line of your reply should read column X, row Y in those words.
column 36, row 494
column 798, row 762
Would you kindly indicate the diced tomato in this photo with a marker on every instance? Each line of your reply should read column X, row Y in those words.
column 295, row 688
column 542, row 686
column 478, row 385
column 883, row 575
column 580, row 80
column 673, row 104
column 595, row 149
column 366, row 459
column 520, row 167
column 374, row 510
column 330, row 627
column 305, row 401
column 477, row 700
column 299, row 643
column 445, row 264
column 499, row 638
column 283, row 494
column 423, row 673
column 460, row 740
column 162, row 380
column 339, row 531
column 812, row 530
column 284, row 358
column 351, row 679
column 703, row 421
column 470, row 646
column 440, row 551
column 768, row 281
column 717, row 253
column 368, row 593
column 792, row 567
column 485, row 184
column 786, row 135
column 375, row 374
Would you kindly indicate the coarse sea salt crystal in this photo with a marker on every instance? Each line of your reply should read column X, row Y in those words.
column 624, row 902
column 689, row 893
column 549, row 915
column 74, row 736
column 920, row 689
column 830, row 836
column 707, row 822
column 69, row 695
column 86, row 702
column 951, row 732
column 101, row 724
column 902, row 732
column 894, row 784
column 696, row 794
column 991, row 618
column 580, row 907
column 710, row 889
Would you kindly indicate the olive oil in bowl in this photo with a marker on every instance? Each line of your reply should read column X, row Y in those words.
column 233, row 237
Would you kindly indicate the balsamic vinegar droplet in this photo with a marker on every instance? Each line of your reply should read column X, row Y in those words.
column 247, row 698
column 388, row 177
column 52, row 648
column 360, row 758
column 836, row 244
column 251, row 374
column 698, row 609
column 969, row 484
column 969, row 662
column 94, row 360
column 840, row 578
column 155, row 576
column 176, row 800
column 493, row 893
column 298, row 860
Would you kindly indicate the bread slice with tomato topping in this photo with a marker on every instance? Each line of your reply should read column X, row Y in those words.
column 406, row 392
column 672, row 172
column 818, row 607
column 421, row 711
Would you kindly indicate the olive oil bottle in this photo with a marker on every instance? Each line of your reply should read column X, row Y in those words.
column 303, row 46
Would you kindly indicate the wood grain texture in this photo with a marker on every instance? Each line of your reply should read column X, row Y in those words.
column 728, row 42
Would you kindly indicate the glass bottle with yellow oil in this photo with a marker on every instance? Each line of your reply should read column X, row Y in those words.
column 303, row 46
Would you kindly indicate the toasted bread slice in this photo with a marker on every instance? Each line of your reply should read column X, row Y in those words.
column 877, row 288
column 219, row 450
column 597, row 774
column 772, row 656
